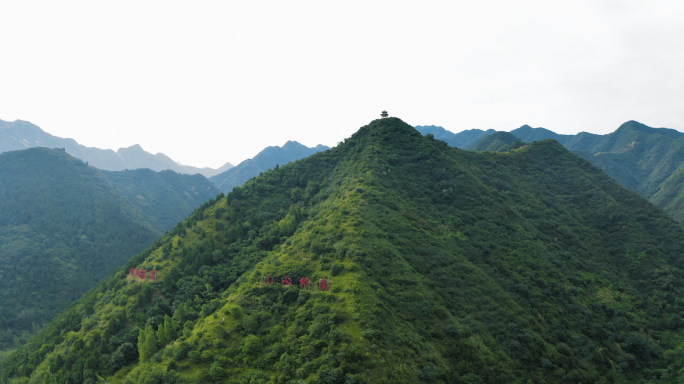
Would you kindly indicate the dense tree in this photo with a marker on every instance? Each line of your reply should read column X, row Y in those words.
column 147, row 343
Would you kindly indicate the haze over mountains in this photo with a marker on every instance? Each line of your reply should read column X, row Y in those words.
column 444, row 265
column 20, row 135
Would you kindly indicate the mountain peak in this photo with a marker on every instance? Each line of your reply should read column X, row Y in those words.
column 292, row 144
column 134, row 148
column 385, row 128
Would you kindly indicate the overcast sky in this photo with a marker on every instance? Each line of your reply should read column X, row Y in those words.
column 215, row 81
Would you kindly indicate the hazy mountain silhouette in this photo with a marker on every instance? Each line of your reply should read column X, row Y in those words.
column 20, row 134
column 265, row 160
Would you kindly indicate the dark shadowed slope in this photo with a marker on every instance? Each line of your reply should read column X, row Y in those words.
column 62, row 229
column 265, row 160
column 65, row 225
column 445, row 266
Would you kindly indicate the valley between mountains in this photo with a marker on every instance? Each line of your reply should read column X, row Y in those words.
column 66, row 224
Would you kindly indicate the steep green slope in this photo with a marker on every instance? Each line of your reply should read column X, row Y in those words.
column 162, row 198
column 262, row 162
column 445, row 266
column 62, row 229
column 497, row 142
column 65, row 225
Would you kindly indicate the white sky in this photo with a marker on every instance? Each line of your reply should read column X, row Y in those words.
column 207, row 82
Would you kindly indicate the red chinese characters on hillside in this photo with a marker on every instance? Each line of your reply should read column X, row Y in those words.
column 141, row 273
column 304, row 282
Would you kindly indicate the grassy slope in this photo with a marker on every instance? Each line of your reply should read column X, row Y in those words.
column 446, row 265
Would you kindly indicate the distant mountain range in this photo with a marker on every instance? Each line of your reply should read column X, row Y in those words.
column 649, row 161
column 64, row 225
column 20, row 134
column 265, row 160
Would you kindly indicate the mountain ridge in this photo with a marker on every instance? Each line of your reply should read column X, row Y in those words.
column 268, row 158
column 447, row 266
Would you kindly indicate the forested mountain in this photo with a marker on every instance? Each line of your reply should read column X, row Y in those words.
column 649, row 161
column 20, row 134
column 263, row 161
column 161, row 198
column 618, row 141
column 65, row 225
column 464, row 139
column 444, row 266
column 62, row 229
column 497, row 142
